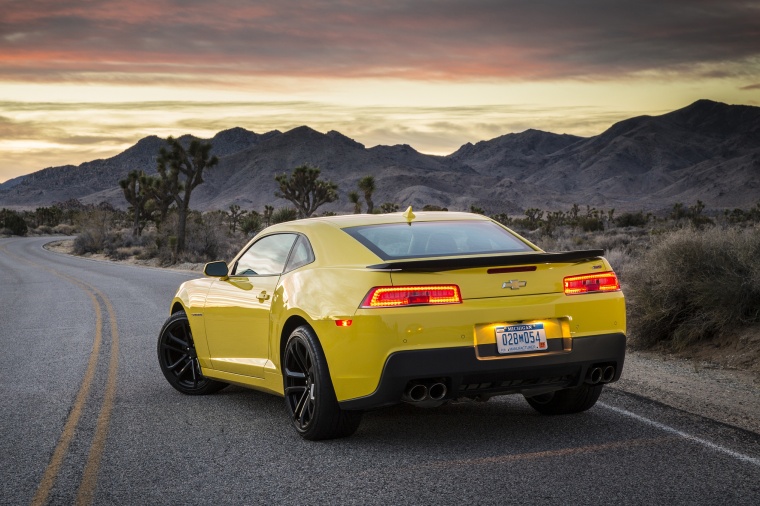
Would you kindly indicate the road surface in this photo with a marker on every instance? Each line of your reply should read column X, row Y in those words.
column 88, row 418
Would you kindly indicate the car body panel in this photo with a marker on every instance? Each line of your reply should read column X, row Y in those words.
column 239, row 339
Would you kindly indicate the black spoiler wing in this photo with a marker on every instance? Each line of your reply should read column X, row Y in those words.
column 449, row 264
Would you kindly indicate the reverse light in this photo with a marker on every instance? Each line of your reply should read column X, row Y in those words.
column 591, row 283
column 413, row 295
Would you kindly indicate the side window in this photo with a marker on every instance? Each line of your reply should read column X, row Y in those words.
column 266, row 257
column 302, row 254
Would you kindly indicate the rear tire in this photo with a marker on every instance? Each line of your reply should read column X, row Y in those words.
column 565, row 402
column 178, row 360
column 309, row 395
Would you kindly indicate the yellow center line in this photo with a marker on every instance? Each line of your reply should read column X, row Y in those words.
column 54, row 466
column 89, row 479
column 85, row 494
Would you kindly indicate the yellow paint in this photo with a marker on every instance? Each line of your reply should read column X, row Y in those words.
column 230, row 344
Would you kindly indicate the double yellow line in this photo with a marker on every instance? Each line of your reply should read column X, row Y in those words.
column 86, row 491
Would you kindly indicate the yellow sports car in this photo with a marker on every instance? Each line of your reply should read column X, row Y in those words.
column 342, row 314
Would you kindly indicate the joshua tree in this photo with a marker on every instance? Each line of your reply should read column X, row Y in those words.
column 181, row 171
column 305, row 190
column 354, row 198
column 135, row 188
column 367, row 186
column 389, row 207
column 236, row 215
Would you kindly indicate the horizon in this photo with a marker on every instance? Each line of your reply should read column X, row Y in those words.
column 210, row 137
column 81, row 81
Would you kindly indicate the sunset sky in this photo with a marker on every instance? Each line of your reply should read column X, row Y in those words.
column 86, row 79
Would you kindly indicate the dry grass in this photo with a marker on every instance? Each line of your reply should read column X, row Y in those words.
column 695, row 285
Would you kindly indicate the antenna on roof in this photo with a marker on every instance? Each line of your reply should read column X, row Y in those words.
column 409, row 215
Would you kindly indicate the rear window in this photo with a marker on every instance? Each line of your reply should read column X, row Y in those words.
column 436, row 238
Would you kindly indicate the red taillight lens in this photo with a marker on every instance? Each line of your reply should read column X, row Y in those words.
column 591, row 283
column 398, row 296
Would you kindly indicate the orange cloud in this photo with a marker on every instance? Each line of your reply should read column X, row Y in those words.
column 442, row 39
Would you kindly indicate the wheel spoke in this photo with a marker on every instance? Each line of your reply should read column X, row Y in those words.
column 294, row 375
column 177, row 340
column 175, row 364
column 303, row 358
column 295, row 390
column 182, row 371
column 300, row 408
column 173, row 348
column 297, row 358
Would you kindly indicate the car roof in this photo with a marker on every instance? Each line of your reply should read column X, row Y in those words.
column 357, row 220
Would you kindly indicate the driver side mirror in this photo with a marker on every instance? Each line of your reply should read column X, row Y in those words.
column 216, row 269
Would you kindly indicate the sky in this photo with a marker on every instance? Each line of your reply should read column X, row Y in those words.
column 86, row 79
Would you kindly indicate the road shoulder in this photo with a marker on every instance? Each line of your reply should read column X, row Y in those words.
column 725, row 395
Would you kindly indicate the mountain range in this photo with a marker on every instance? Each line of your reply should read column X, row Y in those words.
column 708, row 151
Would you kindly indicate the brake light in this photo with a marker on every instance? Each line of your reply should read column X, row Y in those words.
column 398, row 296
column 591, row 283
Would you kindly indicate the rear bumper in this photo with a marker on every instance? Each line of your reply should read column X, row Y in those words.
column 466, row 375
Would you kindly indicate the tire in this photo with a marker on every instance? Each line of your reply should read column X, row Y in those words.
column 309, row 395
column 178, row 360
column 565, row 402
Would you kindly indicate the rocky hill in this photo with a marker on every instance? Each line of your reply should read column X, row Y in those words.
column 708, row 151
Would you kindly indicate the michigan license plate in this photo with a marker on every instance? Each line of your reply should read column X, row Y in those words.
column 519, row 338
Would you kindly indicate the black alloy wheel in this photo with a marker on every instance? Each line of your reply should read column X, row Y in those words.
column 309, row 396
column 178, row 360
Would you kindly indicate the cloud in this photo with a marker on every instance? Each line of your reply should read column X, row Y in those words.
column 429, row 39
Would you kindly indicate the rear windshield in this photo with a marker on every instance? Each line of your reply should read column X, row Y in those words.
column 436, row 238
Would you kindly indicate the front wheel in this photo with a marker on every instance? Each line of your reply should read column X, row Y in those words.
column 567, row 401
column 309, row 395
column 178, row 360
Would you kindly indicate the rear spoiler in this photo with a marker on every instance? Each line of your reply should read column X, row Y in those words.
column 449, row 264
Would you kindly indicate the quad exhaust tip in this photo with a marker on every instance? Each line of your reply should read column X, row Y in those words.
column 599, row 374
column 437, row 391
column 418, row 392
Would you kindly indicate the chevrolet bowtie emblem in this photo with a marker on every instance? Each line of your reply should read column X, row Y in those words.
column 514, row 284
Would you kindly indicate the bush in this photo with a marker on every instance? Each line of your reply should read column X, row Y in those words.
column 284, row 214
column 13, row 222
column 695, row 285
column 632, row 220
column 64, row 229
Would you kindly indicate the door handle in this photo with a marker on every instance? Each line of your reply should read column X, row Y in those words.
column 263, row 295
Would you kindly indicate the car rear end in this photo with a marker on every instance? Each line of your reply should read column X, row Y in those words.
column 481, row 313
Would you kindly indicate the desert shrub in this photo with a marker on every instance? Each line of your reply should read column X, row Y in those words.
column 64, row 229
column 43, row 230
column 284, row 214
column 13, row 222
column 694, row 285
column 591, row 224
column 638, row 219
column 620, row 260
column 97, row 233
column 87, row 242
column 251, row 223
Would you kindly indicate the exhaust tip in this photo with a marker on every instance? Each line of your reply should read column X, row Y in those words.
column 594, row 375
column 608, row 374
column 437, row 391
column 417, row 392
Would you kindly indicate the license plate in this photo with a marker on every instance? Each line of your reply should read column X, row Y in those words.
column 518, row 338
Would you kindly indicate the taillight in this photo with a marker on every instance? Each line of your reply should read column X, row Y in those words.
column 591, row 283
column 399, row 296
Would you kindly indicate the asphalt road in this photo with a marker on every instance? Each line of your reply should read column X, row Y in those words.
column 87, row 417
